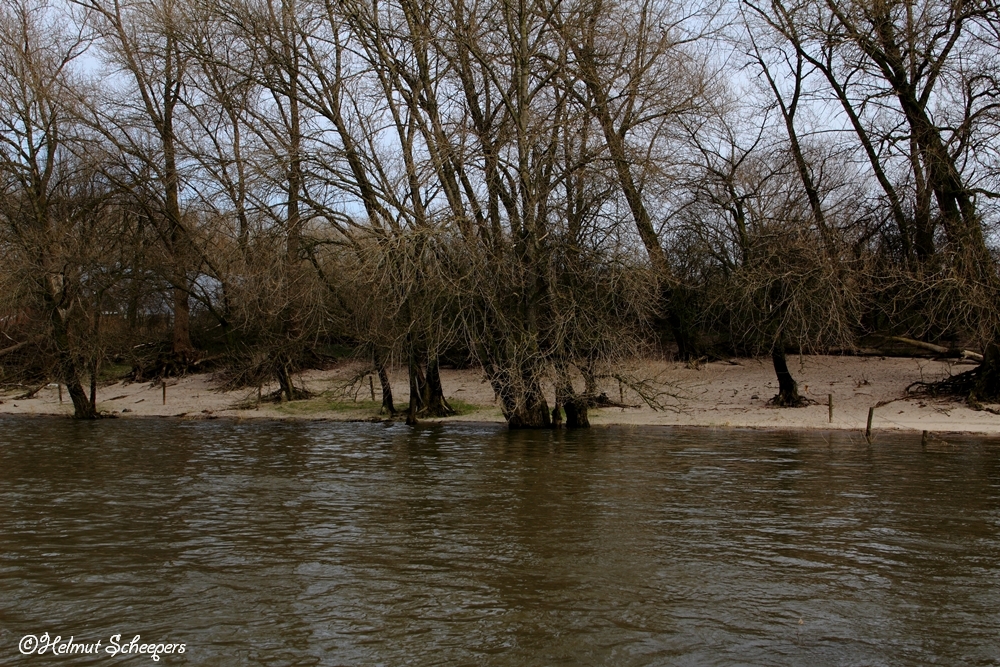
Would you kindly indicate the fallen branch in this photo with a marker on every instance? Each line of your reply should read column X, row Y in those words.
column 207, row 360
column 939, row 349
column 13, row 348
column 602, row 401
column 650, row 392
column 30, row 393
column 353, row 386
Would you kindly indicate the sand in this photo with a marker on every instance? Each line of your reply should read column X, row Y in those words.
column 731, row 394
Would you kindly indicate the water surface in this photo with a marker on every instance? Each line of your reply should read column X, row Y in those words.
column 269, row 543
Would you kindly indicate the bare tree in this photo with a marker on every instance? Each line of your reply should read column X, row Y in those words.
column 917, row 85
column 638, row 78
column 52, row 201
column 144, row 41
column 774, row 280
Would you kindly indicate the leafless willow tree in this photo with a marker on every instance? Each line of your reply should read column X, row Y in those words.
column 917, row 87
column 632, row 68
column 52, row 204
column 533, row 185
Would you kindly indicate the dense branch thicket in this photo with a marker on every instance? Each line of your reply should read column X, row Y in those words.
column 542, row 188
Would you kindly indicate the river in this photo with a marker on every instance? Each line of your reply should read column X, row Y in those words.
column 316, row 543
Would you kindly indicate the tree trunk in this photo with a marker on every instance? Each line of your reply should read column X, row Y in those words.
column 576, row 412
column 67, row 371
column 532, row 412
column 416, row 380
column 82, row 407
column 574, row 405
column 93, row 386
column 426, row 393
column 178, row 240
column 182, row 324
column 285, row 381
column 923, row 224
column 435, row 404
column 521, row 400
column 383, row 379
column 672, row 303
column 988, row 381
column 788, row 390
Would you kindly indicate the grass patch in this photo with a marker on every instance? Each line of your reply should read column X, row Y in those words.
column 462, row 408
column 111, row 373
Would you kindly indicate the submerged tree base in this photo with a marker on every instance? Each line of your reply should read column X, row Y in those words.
column 534, row 416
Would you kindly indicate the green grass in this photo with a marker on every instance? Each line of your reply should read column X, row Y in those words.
column 111, row 373
column 463, row 408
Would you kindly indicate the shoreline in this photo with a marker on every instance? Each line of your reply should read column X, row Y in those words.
column 935, row 434
column 726, row 395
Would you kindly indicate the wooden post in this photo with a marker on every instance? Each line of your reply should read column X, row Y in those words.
column 868, row 429
column 59, row 384
column 258, row 395
column 829, row 404
column 371, row 385
column 923, row 440
column 621, row 393
column 164, row 387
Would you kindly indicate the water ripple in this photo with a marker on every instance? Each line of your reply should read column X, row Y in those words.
column 327, row 544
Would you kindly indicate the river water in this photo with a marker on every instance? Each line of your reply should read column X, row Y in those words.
column 267, row 543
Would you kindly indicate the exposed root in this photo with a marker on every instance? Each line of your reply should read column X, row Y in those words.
column 965, row 386
column 254, row 400
column 278, row 395
column 785, row 401
column 957, row 386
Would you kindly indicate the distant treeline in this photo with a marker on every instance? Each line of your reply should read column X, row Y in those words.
column 542, row 187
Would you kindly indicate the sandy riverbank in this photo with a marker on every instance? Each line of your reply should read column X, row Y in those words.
column 717, row 394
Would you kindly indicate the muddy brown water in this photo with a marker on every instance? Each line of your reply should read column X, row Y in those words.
column 270, row 543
